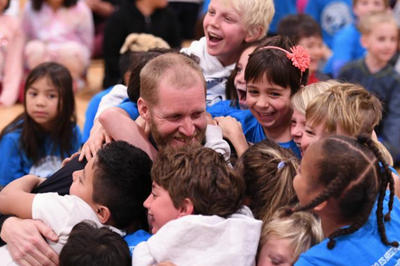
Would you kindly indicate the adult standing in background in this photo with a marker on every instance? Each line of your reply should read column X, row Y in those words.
column 139, row 16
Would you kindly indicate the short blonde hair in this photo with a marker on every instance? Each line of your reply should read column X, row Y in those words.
column 182, row 71
column 303, row 96
column 302, row 228
column 367, row 22
column 255, row 13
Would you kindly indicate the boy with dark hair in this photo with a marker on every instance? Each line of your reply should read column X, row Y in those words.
column 196, row 185
column 303, row 30
column 108, row 191
column 90, row 245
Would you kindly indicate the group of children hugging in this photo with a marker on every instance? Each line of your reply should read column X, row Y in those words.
column 254, row 161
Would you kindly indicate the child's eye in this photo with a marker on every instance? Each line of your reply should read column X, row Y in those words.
column 211, row 11
column 238, row 69
column 32, row 93
column 229, row 19
column 52, row 96
column 309, row 132
column 275, row 94
column 252, row 92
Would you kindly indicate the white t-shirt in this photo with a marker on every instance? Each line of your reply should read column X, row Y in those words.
column 61, row 213
column 203, row 240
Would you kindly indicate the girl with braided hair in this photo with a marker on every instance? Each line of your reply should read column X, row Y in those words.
column 344, row 181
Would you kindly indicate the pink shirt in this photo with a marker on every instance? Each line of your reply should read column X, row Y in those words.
column 11, row 54
column 56, row 27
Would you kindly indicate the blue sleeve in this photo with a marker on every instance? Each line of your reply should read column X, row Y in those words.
column 346, row 44
column 135, row 238
column 91, row 111
column 78, row 139
column 11, row 160
column 391, row 122
column 129, row 107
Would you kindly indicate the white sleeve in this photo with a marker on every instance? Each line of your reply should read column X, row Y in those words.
column 117, row 94
column 142, row 256
column 215, row 141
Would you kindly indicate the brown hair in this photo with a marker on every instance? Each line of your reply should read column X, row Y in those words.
column 203, row 176
column 350, row 107
column 269, row 171
column 178, row 69
column 274, row 65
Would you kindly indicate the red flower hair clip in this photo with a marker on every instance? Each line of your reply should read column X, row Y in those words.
column 298, row 55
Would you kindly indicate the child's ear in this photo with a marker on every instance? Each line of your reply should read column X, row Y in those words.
column 143, row 108
column 364, row 41
column 320, row 206
column 103, row 213
column 186, row 208
column 254, row 33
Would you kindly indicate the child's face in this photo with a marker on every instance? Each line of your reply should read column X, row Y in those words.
column 315, row 47
column 381, row 42
column 42, row 102
column 363, row 7
column 305, row 183
column 276, row 251
column 311, row 135
column 269, row 103
column 240, row 83
column 160, row 208
column 297, row 126
column 82, row 183
column 224, row 31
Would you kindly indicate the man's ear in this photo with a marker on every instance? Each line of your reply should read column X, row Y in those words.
column 143, row 109
column 254, row 33
column 103, row 213
column 186, row 208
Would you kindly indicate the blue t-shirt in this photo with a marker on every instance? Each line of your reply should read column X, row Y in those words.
column 332, row 15
column 135, row 238
column 130, row 107
column 14, row 162
column 363, row 247
column 346, row 47
column 91, row 111
column 254, row 131
column 222, row 108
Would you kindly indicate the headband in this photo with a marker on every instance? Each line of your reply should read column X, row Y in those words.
column 298, row 55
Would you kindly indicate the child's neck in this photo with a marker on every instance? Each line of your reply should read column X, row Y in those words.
column 373, row 64
column 279, row 134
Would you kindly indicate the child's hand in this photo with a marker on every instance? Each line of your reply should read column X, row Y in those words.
column 66, row 160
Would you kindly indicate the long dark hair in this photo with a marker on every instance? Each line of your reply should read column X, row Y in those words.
column 62, row 131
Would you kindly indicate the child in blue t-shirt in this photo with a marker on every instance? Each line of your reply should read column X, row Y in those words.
column 347, row 183
column 39, row 139
column 271, row 78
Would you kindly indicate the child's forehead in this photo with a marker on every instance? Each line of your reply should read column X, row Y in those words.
column 229, row 6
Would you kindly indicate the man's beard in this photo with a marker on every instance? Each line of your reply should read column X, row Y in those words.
column 163, row 141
